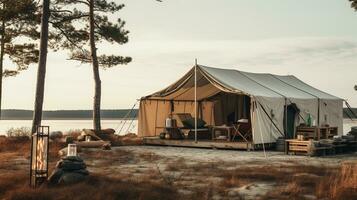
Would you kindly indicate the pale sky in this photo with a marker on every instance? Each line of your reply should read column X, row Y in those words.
column 314, row 40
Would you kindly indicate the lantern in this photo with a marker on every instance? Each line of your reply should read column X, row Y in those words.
column 39, row 156
column 88, row 138
column 72, row 150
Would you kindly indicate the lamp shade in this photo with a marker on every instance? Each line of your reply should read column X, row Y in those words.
column 72, row 150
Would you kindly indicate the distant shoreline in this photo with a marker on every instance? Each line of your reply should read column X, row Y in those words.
column 119, row 114
column 24, row 119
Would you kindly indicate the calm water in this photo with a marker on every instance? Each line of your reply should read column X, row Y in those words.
column 65, row 125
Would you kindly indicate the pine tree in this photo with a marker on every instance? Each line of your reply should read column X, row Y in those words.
column 354, row 4
column 18, row 23
column 79, row 30
column 40, row 85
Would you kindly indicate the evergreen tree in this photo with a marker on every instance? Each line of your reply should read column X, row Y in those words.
column 41, row 72
column 78, row 26
column 354, row 4
column 18, row 23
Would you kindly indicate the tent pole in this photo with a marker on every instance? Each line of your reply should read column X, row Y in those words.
column 286, row 119
column 196, row 100
column 318, row 112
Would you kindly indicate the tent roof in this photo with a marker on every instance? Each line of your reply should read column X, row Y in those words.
column 214, row 80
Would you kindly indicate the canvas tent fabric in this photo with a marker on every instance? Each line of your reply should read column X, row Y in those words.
column 269, row 94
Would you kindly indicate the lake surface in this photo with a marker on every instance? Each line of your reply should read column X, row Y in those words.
column 120, row 126
column 66, row 125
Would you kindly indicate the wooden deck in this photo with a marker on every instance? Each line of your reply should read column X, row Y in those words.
column 199, row 144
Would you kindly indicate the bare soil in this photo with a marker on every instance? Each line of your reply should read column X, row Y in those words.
column 154, row 172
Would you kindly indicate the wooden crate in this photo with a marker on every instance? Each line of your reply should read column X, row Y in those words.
column 317, row 133
column 299, row 147
column 307, row 147
column 307, row 132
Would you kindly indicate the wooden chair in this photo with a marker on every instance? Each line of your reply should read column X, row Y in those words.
column 245, row 134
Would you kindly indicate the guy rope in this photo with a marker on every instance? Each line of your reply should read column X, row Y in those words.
column 126, row 118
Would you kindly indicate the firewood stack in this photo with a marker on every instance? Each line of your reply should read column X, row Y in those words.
column 105, row 134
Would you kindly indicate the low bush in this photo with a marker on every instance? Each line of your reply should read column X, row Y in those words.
column 97, row 187
column 19, row 132
column 340, row 185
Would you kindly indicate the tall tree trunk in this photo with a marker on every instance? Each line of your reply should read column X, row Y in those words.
column 97, row 85
column 41, row 72
column 2, row 49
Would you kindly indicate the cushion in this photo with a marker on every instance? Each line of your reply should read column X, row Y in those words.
column 190, row 123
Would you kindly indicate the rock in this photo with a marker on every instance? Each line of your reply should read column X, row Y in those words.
column 70, row 169
column 56, row 135
column 73, row 158
column 71, row 177
column 82, row 171
column 106, row 146
column 72, row 165
column 55, row 176
column 250, row 191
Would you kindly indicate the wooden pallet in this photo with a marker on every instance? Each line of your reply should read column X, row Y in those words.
column 307, row 147
column 298, row 146
column 317, row 133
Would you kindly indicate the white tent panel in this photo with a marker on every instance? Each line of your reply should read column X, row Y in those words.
column 267, row 119
column 331, row 113
column 235, row 80
column 297, row 83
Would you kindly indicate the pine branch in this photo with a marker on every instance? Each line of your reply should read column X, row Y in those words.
column 354, row 4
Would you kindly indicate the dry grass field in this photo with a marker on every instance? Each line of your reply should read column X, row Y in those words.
column 142, row 172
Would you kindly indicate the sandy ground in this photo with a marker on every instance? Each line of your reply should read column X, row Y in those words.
column 238, row 157
column 193, row 169
column 201, row 173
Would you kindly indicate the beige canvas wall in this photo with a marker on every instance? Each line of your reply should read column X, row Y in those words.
column 152, row 113
column 151, row 118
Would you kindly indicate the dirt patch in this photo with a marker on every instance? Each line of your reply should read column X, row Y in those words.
column 143, row 172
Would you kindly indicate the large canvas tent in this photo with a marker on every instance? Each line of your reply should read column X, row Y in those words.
column 262, row 98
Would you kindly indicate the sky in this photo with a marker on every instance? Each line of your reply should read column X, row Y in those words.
column 315, row 41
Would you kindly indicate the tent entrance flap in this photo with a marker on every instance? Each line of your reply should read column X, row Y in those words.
column 290, row 116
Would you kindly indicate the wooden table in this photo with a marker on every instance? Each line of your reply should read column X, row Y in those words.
column 228, row 129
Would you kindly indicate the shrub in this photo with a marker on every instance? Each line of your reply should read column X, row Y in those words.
column 341, row 184
column 19, row 132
